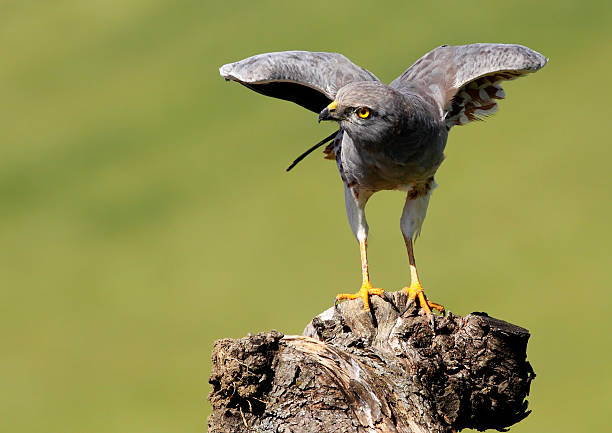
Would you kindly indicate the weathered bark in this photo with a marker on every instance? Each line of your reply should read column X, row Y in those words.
column 354, row 371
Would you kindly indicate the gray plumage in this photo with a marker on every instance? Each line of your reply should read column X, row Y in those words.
column 444, row 75
column 448, row 86
column 399, row 143
column 308, row 79
column 390, row 137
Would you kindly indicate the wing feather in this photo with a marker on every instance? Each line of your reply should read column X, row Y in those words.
column 310, row 79
column 463, row 82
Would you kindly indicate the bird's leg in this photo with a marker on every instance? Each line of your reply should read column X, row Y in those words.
column 415, row 290
column 366, row 287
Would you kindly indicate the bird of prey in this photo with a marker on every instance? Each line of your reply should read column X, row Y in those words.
column 390, row 136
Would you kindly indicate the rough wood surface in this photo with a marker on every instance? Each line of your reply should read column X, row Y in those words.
column 354, row 371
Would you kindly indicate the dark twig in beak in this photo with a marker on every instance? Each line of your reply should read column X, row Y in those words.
column 309, row 151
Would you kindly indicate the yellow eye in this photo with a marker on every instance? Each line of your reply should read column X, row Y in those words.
column 363, row 112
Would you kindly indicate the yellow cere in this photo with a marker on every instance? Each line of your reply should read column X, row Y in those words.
column 332, row 106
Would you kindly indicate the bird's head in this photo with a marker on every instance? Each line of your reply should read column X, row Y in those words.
column 371, row 110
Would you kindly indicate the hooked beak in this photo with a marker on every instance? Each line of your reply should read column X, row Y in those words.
column 329, row 112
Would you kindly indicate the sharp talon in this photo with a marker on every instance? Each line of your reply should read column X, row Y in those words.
column 432, row 322
column 389, row 299
column 407, row 307
column 336, row 304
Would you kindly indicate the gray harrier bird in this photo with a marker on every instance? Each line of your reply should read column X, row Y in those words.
column 390, row 137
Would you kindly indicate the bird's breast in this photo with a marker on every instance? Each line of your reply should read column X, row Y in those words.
column 398, row 164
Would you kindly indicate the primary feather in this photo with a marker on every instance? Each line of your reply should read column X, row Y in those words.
column 464, row 81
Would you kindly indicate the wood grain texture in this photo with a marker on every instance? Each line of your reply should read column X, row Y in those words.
column 354, row 371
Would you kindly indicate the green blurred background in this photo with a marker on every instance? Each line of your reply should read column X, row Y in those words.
column 145, row 210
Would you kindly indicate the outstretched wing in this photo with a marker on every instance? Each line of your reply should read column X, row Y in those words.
column 306, row 78
column 464, row 81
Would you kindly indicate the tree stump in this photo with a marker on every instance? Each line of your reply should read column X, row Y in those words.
column 378, row 371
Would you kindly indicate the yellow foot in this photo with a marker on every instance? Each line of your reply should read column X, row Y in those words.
column 414, row 291
column 364, row 293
